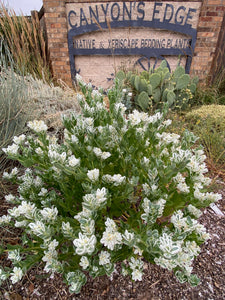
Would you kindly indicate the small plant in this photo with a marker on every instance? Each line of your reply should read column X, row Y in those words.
column 159, row 87
column 208, row 123
column 117, row 189
column 14, row 104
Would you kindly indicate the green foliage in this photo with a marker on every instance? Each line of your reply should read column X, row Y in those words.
column 25, row 40
column 23, row 97
column 14, row 104
column 115, row 188
column 164, row 89
column 208, row 123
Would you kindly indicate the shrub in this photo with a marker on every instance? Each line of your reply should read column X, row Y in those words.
column 208, row 95
column 208, row 122
column 118, row 188
column 14, row 105
column 158, row 88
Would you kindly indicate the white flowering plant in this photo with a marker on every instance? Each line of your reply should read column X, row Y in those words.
column 117, row 188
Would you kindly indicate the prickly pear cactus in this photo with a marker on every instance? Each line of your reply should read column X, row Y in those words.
column 159, row 88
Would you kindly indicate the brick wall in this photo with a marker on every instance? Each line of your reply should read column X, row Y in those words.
column 219, row 58
column 209, row 27
column 56, row 30
column 204, row 58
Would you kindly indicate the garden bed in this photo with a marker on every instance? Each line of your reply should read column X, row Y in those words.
column 157, row 283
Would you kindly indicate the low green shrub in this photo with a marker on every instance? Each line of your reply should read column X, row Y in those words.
column 118, row 188
column 154, row 89
column 208, row 123
column 208, row 96
column 14, row 106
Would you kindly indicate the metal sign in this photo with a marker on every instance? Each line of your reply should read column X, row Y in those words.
column 170, row 17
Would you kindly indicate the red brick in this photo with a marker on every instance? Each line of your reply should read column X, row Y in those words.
column 206, row 19
column 211, row 13
column 214, row 2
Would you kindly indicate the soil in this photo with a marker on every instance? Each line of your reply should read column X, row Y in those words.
column 157, row 283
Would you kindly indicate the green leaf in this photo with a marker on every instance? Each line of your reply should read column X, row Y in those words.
column 143, row 101
column 155, row 80
column 193, row 280
column 143, row 85
column 149, row 90
column 182, row 82
column 120, row 75
column 179, row 72
column 137, row 82
column 192, row 88
column 156, row 95
column 163, row 64
column 171, row 97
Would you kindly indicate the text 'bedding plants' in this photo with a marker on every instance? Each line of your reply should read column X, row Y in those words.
column 118, row 188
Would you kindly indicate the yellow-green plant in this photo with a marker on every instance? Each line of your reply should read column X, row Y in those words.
column 25, row 41
column 208, row 122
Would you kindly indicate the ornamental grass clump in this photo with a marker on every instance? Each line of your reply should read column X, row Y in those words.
column 117, row 188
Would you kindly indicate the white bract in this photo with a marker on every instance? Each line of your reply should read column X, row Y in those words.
column 84, row 262
column 37, row 126
column 93, row 175
column 84, row 244
column 16, row 275
column 111, row 237
column 104, row 258
column 116, row 187
column 11, row 150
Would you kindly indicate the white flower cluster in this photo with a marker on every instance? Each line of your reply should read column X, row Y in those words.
column 11, row 175
column 136, row 266
column 102, row 155
column 16, row 275
column 11, row 150
column 168, row 138
column 95, row 200
column 50, row 257
column 14, row 255
column 3, row 275
column 49, row 213
column 137, row 117
column 104, row 258
column 116, row 179
column 73, row 161
column 84, row 262
column 19, row 139
column 93, row 175
column 67, row 229
column 26, row 209
column 181, row 184
column 154, row 210
column 84, row 244
column 111, row 237
column 187, row 224
column 211, row 197
column 177, row 253
column 5, row 219
column 10, row 198
column 40, row 229
column 37, row 126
